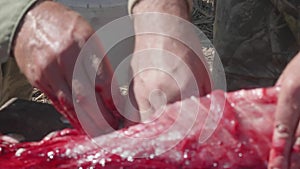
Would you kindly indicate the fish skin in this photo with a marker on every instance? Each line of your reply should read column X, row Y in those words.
column 241, row 139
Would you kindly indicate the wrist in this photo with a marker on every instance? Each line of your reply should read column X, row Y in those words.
column 180, row 8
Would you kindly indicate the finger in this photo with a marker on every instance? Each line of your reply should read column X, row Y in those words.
column 54, row 93
column 130, row 111
column 93, row 115
column 67, row 62
column 286, row 122
column 100, row 74
column 104, row 86
column 94, row 121
column 91, row 105
column 62, row 92
column 99, row 70
column 40, row 80
column 90, row 102
column 109, row 92
column 70, row 56
column 141, row 96
column 296, row 151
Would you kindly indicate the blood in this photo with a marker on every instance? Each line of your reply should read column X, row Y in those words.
column 242, row 140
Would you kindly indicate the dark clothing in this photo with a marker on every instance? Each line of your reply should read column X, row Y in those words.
column 255, row 40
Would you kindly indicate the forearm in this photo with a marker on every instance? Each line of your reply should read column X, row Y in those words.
column 179, row 8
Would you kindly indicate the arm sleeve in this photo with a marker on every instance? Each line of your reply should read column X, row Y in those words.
column 11, row 13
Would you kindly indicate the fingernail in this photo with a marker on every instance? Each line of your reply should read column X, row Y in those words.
column 280, row 136
column 279, row 142
column 281, row 131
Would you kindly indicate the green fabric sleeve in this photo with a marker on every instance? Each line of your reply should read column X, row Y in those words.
column 11, row 13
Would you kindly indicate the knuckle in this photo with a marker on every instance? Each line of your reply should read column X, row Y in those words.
column 43, row 63
column 83, row 32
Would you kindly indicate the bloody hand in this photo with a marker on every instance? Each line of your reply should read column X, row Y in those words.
column 46, row 49
column 287, row 116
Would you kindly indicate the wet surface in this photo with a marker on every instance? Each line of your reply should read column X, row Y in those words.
column 242, row 140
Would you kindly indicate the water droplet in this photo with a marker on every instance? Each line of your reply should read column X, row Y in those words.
column 240, row 155
column 151, row 156
column 19, row 152
column 102, row 162
column 97, row 155
column 187, row 162
column 193, row 98
column 50, row 155
column 215, row 164
column 185, row 155
column 127, row 132
column 90, row 158
column 232, row 122
column 130, row 159
column 226, row 165
column 117, row 150
column 68, row 152
column 125, row 154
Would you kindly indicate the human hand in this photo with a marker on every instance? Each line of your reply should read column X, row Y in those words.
column 46, row 50
column 165, row 69
column 287, row 116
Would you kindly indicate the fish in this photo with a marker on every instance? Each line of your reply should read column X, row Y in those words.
column 218, row 131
